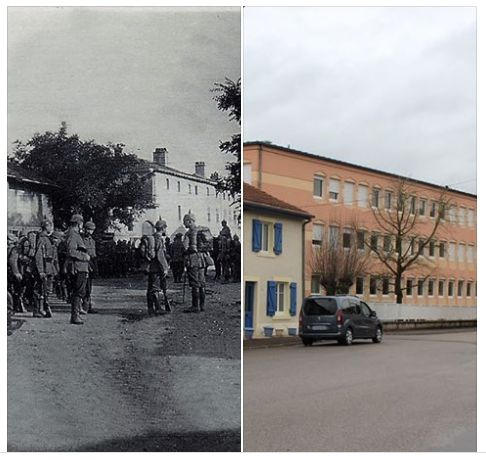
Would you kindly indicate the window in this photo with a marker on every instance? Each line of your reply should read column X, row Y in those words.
column 207, row 191
column 374, row 241
column 362, row 196
column 315, row 284
column 334, row 186
column 470, row 254
column 420, row 287
column 412, row 205
column 409, row 286
column 470, row 217
column 317, row 232
column 452, row 251
column 333, row 236
column 460, row 252
column 359, row 285
column 468, row 289
column 421, row 247
column 460, row 285
column 167, row 183
column 386, row 286
column 387, row 243
column 280, row 297
column 178, row 186
column 411, row 247
column 195, row 189
column 190, row 188
column 441, row 249
column 318, row 186
column 388, row 200
column 450, row 290
column 430, row 289
column 179, row 212
column 375, row 198
column 432, row 249
column 346, row 239
column 209, row 214
column 348, row 193
column 441, row 288
column 433, row 208
column 462, row 216
column 373, row 283
column 265, row 236
column 361, row 239
column 422, row 207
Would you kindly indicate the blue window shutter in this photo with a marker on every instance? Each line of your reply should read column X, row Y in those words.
column 277, row 247
column 256, row 240
column 293, row 299
column 271, row 298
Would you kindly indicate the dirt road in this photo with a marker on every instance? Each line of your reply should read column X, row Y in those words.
column 124, row 381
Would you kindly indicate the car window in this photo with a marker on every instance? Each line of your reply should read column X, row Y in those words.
column 365, row 309
column 351, row 310
column 320, row 307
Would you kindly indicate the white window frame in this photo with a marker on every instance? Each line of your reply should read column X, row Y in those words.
column 334, row 189
column 363, row 200
column 375, row 197
column 443, row 281
column 321, row 178
column 349, row 193
column 453, row 288
column 281, row 300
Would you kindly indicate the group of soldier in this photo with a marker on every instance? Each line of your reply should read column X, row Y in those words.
column 48, row 261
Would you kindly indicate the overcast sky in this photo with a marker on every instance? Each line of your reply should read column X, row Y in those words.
column 141, row 76
column 389, row 88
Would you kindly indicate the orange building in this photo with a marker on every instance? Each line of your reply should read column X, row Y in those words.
column 338, row 193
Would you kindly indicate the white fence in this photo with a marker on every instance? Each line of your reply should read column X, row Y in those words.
column 393, row 311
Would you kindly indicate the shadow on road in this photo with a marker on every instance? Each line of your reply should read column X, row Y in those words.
column 194, row 441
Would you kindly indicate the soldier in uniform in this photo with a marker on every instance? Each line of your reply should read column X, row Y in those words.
column 224, row 250
column 77, row 266
column 215, row 256
column 195, row 265
column 236, row 258
column 177, row 251
column 157, row 271
column 56, row 239
column 14, row 274
column 44, row 270
column 90, row 243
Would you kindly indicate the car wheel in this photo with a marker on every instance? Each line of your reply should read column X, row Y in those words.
column 307, row 342
column 378, row 335
column 348, row 337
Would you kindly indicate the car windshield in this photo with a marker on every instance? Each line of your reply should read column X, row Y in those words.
column 320, row 307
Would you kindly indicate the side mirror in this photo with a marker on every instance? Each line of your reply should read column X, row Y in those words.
column 373, row 314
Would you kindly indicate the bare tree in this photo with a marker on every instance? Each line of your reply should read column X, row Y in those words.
column 338, row 261
column 406, row 231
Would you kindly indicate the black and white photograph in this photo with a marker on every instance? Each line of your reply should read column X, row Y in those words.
column 124, row 238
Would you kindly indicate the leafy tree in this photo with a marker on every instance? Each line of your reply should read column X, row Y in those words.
column 405, row 233
column 101, row 182
column 229, row 100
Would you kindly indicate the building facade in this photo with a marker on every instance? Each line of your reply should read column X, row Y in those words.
column 341, row 195
column 28, row 199
column 273, row 263
column 177, row 193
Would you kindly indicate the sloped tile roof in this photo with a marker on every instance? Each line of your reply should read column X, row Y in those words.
column 21, row 174
column 253, row 196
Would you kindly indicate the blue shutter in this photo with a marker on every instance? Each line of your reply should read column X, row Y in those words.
column 256, row 240
column 277, row 246
column 271, row 298
column 293, row 299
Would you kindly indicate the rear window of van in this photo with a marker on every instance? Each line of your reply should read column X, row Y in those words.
column 320, row 307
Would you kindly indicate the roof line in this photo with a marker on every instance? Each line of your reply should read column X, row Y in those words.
column 254, row 204
column 344, row 163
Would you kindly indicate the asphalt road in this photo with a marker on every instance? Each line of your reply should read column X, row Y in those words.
column 124, row 381
column 410, row 393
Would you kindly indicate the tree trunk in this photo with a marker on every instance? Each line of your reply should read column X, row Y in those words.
column 398, row 288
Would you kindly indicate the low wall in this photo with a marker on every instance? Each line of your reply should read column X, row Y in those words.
column 394, row 312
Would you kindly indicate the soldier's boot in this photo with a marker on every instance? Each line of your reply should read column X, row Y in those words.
column 83, row 307
column 75, row 311
column 36, row 312
column 156, row 301
column 47, row 310
column 150, row 304
column 91, row 310
column 202, row 298
column 195, row 300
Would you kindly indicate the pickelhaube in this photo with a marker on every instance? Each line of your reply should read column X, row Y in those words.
column 77, row 219
column 160, row 224
column 90, row 225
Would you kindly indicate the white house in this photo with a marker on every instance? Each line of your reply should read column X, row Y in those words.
column 177, row 192
column 274, row 263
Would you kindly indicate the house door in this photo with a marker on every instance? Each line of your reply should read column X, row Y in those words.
column 249, row 302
